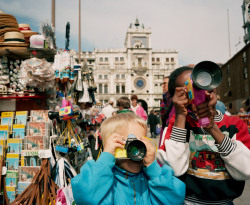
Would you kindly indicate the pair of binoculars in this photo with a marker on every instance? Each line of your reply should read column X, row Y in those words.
column 134, row 149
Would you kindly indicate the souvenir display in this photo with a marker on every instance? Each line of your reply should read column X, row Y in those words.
column 58, row 128
column 37, row 73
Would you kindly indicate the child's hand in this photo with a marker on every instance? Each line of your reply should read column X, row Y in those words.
column 150, row 155
column 180, row 101
column 207, row 109
column 112, row 142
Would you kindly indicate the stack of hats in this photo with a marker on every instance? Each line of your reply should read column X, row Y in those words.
column 10, row 36
column 8, row 23
column 26, row 31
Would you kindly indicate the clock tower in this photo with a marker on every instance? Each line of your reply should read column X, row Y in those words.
column 139, row 51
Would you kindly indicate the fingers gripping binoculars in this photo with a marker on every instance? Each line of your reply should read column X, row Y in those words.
column 206, row 75
column 134, row 149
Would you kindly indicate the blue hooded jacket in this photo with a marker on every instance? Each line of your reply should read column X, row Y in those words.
column 102, row 182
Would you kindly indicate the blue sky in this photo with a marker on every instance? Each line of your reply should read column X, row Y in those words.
column 197, row 29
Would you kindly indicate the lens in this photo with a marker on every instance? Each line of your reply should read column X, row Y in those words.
column 134, row 151
column 204, row 78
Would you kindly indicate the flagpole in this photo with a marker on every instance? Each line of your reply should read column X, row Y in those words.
column 79, row 31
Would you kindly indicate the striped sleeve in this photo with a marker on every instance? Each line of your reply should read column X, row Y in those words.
column 226, row 146
column 179, row 134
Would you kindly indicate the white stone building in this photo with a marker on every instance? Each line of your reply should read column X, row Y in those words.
column 134, row 69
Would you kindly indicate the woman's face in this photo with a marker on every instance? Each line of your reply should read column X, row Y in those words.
column 134, row 102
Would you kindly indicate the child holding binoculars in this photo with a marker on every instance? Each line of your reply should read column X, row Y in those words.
column 134, row 179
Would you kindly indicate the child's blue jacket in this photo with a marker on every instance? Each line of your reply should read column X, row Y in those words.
column 102, row 182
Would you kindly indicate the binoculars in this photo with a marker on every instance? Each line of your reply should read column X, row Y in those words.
column 134, row 149
column 206, row 75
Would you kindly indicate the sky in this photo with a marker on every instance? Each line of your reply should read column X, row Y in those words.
column 197, row 29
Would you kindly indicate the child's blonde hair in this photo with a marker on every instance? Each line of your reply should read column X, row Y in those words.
column 115, row 123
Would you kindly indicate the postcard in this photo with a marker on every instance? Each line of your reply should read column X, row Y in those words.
column 27, row 173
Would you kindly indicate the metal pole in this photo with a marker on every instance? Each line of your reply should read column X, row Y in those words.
column 229, row 46
column 79, row 31
column 53, row 8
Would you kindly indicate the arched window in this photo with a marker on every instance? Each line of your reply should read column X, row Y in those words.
column 100, row 88
column 123, row 88
column 117, row 88
column 106, row 89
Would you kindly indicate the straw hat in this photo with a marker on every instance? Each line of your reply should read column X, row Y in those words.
column 14, row 37
column 26, row 31
column 13, row 40
column 8, row 23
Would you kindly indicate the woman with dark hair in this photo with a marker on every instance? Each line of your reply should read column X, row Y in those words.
column 137, row 109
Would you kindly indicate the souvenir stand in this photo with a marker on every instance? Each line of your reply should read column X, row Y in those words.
column 49, row 124
column 26, row 62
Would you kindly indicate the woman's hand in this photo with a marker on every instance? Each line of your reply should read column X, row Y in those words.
column 207, row 109
column 180, row 101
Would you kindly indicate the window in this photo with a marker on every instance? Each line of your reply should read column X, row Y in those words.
column 159, row 89
column 229, row 81
column 167, row 59
column 123, row 76
column 117, row 88
column 100, row 88
column 153, row 59
column 158, row 77
column 106, row 89
column 117, row 77
column 158, row 59
column 106, row 59
column 157, row 102
column 123, row 89
column 116, row 59
column 156, row 88
column 244, row 57
column 245, row 73
column 105, row 77
column 121, row 58
column 101, row 59
column 228, row 69
column 100, row 77
column 172, row 59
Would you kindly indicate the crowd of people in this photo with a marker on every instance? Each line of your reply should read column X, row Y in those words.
column 194, row 164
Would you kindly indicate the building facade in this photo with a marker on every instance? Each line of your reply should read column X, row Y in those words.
column 235, row 87
column 135, row 69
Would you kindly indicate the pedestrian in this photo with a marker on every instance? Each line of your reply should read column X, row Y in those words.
column 213, row 161
column 123, row 181
column 220, row 105
column 242, row 111
column 227, row 112
column 138, row 109
column 152, row 122
column 166, row 106
column 123, row 104
column 108, row 109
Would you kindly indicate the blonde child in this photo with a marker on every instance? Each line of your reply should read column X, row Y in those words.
column 123, row 181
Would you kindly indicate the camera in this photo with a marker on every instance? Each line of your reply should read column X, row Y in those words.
column 206, row 75
column 134, row 149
